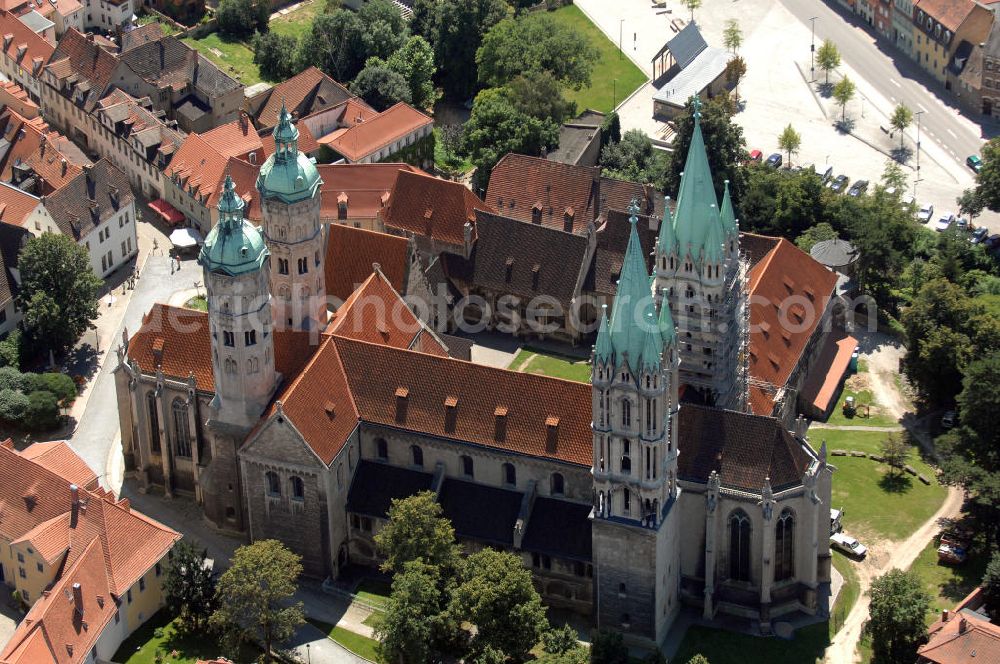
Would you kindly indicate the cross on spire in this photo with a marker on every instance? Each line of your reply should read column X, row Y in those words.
column 696, row 107
column 633, row 211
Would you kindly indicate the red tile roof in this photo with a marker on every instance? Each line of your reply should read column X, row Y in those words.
column 949, row 13
column 351, row 252
column 296, row 92
column 60, row 458
column 27, row 48
column 36, row 145
column 49, row 538
column 16, row 205
column 519, row 183
column 789, row 292
column 438, row 209
column 181, row 337
column 366, row 186
column 962, row 636
column 87, row 68
column 828, row 370
column 361, row 140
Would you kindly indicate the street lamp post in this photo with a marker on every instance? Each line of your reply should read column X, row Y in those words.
column 918, row 114
column 812, row 51
column 621, row 22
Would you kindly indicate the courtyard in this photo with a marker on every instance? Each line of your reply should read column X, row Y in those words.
column 532, row 360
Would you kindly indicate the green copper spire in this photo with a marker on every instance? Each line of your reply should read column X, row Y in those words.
column 603, row 351
column 652, row 345
column 287, row 175
column 697, row 205
column 728, row 217
column 234, row 246
column 714, row 247
column 632, row 301
column 668, row 331
column 667, row 242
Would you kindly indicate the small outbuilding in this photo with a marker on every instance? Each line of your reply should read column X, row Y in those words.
column 687, row 66
column 838, row 255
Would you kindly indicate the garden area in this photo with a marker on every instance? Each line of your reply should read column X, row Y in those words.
column 867, row 411
column 878, row 502
column 296, row 21
column 356, row 643
column 612, row 64
column 948, row 584
column 532, row 360
column 159, row 641
column 231, row 56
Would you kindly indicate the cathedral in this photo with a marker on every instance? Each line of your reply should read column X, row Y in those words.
column 627, row 498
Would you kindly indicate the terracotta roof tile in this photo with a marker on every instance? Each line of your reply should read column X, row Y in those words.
column 93, row 66
column 350, row 253
column 38, row 147
column 612, row 240
column 361, row 140
column 367, row 187
column 25, row 45
column 303, row 94
column 965, row 637
column 140, row 35
column 519, row 183
column 92, row 197
column 16, row 205
column 49, row 538
column 60, row 458
column 949, row 13
column 431, row 207
column 779, row 286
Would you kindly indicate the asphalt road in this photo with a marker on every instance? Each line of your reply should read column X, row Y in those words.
column 891, row 72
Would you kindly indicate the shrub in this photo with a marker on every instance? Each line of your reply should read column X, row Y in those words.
column 42, row 411
column 12, row 379
column 59, row 384
column 10, row 350
column 13, row 406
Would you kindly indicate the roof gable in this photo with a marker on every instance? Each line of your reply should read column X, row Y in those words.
column 431, row 207
column 351, row 253
column 526, row 188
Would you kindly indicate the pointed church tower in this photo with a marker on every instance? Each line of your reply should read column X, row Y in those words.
column 235, row 263
column 290, row 200
column 699, row 269
column 635, row 404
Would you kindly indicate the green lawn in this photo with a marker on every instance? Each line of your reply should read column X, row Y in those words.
column 612, row 64
column 298, row 22
column 857, row 386
column 373, row 591
column 807, row 646
column 875, row 503
column 143, row 645
column 233, row 57
column 453, row 164
column 557, row 366
column 947, row 584
column 373, row 619
column 359, row 645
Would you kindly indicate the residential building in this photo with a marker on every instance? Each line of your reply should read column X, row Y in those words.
column 866, row 9
column 24, row 54
column 358, row 194
column 354, row 133
column 963, row 634
column 990, row 85
column 308, row 443
column 902, row 26
column 138, row 139
column 40, row 25
column 688, row 67
column 308, row 92
column 140, row 34
column 108, row 15
column 941, row 26
column 13, row 96
column 77, row 554
column 181, row 82
column 195, row 175
column 883, row 17
column 63, row 14
column 97, row 210
column 37, row 159
column 12, row 240
column 19, row 208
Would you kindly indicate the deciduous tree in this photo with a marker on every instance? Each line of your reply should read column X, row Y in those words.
column 790, row 141
column 732, row 36
column 692, row 5
column 459, row 29
column 189, row 586
column 275, row 55
column 818, row 233
column 896, row 624
column 415, row 62
column 336, row 44
column 902, row 117
column 58, row 291
column 843, row 92
column 417, row 530
column 991, row 586
column 828, row 58
column 239, row 19
column 380, row 86
column 253, row 597
column 895, row 451
column 608, row 648
column 414, row 625
column 538, row 94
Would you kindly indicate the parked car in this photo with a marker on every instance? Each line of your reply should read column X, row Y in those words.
column 974, row 162
column 944, row 222
column 925, row 213
column 835, row 517
column 825, row 172
column 948, row 419
column 839, row 184
column 992, row 242
column 978, row 235
column 859, row 187
column 962, row 224
column 847, row 544
column 908, row 200
column 756, row 155
column 774, row 161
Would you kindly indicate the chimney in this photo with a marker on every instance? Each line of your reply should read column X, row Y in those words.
column 7, row 38
column 244, row 119
column 551, row 434
column 342, row 200
column 500, row 424
column 963, row 625
column 90, row 38
column 945, row 615
column 568, row 215
column 63, row 165
column 402, row 399
column 74, row 493
column 158, row 351
column 78, row 598
column 450, row 413
column 536, row 213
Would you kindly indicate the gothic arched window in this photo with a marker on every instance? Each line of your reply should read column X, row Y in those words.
column 467, row 467
column 154, row 422
column 417, row 455
column 381, row 449
column 739, row 546
column 626, row 502
column 784, row 546
column 509, row 474
column 626, row 413
column 273, row 483
column 626, row 462
column 558, row 484
column 298, row 488
column 182, row 432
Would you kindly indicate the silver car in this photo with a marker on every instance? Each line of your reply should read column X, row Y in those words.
column 847, row 544
column 925, row 213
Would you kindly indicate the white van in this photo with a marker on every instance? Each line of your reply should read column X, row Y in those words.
column 825, row 172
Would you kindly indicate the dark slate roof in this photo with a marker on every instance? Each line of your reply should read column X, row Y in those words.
column 745, row 449
column 834, row 253
column 481, row 512
column 559, row 528
column 612, row 239
column 686, row 45
column 520, row 258
column 169, row 61
column 755, row 247
column 90, row 198
column 459, row 348
column 376, row 484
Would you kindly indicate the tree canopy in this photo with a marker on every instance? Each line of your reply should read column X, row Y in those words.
column 58, row 291
column 380, row 86
column 634, row 159
column 274, row 54
column 789, row 141
column 416, row 530
column 828, row 57
column 341, row 42
column 460, row 26
column 732, row 36
column 189, row 586
column 843, row 92
column 239, row 19
column 896, row 617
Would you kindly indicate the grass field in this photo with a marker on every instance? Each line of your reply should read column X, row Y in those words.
column 143, row 646
column 233, row 57
column 530, row 360
column 297, row 23
column 876, row 503
column 857, row 386
column 612, row 64
column 373, row 591
column 808, row 645
column 946, row 584
column 359, row 645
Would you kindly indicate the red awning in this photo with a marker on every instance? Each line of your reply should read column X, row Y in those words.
column 170, row 214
